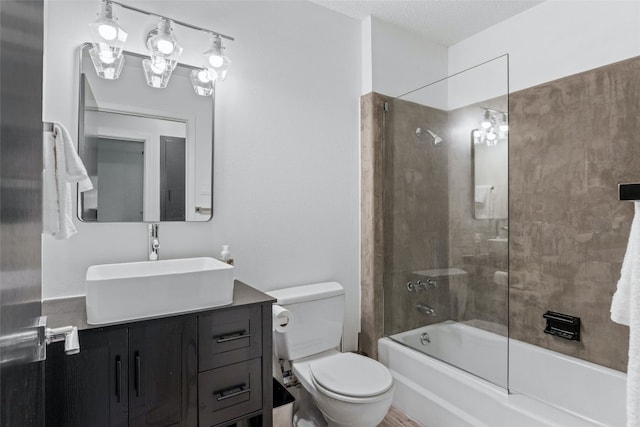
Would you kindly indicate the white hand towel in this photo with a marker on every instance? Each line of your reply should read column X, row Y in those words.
column 625, row 309
column 62, row 167
column 482, row 192
column 484, row 201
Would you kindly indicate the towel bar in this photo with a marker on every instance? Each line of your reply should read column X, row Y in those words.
column 629, row 192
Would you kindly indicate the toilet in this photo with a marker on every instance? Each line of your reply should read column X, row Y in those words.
column 349, row 389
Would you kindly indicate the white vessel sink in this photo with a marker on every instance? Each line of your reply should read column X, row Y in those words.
column 138, row 290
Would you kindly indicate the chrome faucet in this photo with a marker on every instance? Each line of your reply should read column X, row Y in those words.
column 154, row 242
column 425, row 309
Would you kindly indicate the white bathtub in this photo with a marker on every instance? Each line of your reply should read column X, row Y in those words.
column 546, row 388
column 455, row 342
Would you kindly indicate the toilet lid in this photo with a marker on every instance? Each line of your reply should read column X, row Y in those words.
column 350, row 374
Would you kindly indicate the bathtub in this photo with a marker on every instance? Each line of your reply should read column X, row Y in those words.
column 546, row 388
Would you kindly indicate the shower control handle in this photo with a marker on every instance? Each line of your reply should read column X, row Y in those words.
column 420, row 285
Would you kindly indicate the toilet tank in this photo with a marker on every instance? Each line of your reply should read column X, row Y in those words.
column 318, row 315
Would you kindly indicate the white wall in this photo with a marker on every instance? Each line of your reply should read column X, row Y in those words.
column 402, row 62
column 286, row 178
column 555, row 39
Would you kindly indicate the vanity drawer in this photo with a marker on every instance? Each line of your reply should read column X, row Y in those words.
column 230, row 336
column 230, row 392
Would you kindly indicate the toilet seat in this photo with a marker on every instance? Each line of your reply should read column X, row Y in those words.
column 350, row 377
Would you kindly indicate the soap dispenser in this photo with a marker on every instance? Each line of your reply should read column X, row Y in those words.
column 225, row 255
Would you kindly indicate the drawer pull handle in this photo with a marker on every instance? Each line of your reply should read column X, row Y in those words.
column 232, row 337
column 232, row 392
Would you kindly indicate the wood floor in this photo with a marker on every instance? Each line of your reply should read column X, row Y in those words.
column 396, row 418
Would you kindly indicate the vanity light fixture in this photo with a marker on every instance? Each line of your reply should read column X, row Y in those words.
column 494, row 127
column 216, row 60
column 108, row 40
column 164, row 50
column 161, row 41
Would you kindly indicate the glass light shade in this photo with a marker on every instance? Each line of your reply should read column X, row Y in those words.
column 203, row 82
column 108, row 69
column 157, row 73
column 161, row 42
column 486, row 121
column 108, row 37
column 216, row 60
column 504, row 124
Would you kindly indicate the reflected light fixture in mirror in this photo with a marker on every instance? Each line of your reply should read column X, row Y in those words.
column 493, row 127
column 203, row 82
column 164, row 50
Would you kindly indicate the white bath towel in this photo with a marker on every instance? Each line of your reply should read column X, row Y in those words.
column 625, row 309
column 62, row 166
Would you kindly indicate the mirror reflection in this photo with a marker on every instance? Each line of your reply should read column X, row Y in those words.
column 148, row 151
column 490, row 160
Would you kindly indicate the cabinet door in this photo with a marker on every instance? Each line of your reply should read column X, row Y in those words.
column 163, row 373
column 88, row 388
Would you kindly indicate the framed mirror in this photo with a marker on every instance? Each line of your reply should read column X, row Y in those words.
column 148, row 151
column 490, row 145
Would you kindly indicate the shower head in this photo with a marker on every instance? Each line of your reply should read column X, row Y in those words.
column 436, row 140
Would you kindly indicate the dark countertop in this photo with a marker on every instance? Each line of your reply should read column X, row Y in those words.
column 72, row 311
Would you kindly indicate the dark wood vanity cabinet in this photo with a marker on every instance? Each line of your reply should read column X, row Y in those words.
column 163, row 367
column 140, row 376
column 89, row 388
column 211, row 368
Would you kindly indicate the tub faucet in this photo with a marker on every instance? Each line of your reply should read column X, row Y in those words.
column 425, row 309
column 154, row 242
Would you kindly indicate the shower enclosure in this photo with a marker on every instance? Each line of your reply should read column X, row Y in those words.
column 445, row 219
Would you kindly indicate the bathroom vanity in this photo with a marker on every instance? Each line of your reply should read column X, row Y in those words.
column 206, row 368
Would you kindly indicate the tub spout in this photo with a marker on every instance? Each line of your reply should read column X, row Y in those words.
column 425, row 309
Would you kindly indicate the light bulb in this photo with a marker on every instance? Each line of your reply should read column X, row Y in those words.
column 158, row 66
column 108, row 32
column 216, row 60
column 107, row 57
column 203, row 76
column 491, row 135
column 165, row 46
column 476, row 133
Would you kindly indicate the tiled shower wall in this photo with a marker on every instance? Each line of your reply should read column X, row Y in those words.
column 571, row 142
column 416, row 200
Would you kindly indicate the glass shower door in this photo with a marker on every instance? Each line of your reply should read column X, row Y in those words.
column 446, row 220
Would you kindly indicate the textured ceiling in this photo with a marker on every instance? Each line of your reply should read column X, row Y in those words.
column 443, row 21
